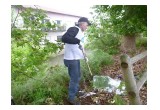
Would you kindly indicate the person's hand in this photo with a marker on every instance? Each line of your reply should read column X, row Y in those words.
column 80, row 47
column 86, row 59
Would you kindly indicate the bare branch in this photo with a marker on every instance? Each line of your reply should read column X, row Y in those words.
column 138, row 57
column 36, row 6
column 15, row 19
column 142, row 80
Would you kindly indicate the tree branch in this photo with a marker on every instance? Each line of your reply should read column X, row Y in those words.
column 15, row 19
column 142, row 80
column 138, row 57
column 130, row 82
column 36, row 7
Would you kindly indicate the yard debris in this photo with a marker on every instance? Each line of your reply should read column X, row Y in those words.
column 105, row 94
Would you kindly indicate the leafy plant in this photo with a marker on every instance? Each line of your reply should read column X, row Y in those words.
column 117, row 21
column 141, row 42
column 30, row 48
column 124, row 19
column 107, row 43
column 96, row 61
column 118, row 100
column 36, row 91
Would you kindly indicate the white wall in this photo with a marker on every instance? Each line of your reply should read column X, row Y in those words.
column 57, row 16
column 19, row 20
column 52, row 36
column 66, row 19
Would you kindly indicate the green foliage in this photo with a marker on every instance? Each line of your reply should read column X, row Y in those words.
column 141, row 42
column 96, row 61
column 118, row 100
column 111, row 23
column 107, row 42
column 101, row 35
column 30, row 48
column 36, row 91
column 24, row 62
column 124, row 19
column 31, row 83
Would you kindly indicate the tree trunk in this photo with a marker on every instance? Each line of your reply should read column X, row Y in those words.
column 129, row 43
column 129, row 79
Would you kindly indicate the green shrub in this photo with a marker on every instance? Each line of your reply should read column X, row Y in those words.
column 35, row 91
column 30, row 48
column 108, row 43
column 96, row 61
column 141, row 42
column 119, row 100
column 30, row 51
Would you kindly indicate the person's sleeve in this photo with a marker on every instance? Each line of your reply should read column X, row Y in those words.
column 69, row 36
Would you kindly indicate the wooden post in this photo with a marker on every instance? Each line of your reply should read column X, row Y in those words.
column 129, row 79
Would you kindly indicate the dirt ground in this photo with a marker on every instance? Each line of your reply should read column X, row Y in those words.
column 114, row 71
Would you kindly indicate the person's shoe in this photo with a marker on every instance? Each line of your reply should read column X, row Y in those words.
column 74, row 102
column 80, row 93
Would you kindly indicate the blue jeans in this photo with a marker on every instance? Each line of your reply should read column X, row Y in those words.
column 75, row 76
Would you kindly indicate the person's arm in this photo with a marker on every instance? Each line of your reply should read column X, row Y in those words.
column 69, row 36
column 83, row 51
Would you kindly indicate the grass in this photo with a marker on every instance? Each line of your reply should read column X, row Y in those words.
column 36, row 92
column 52, row 86
column 97, row 60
